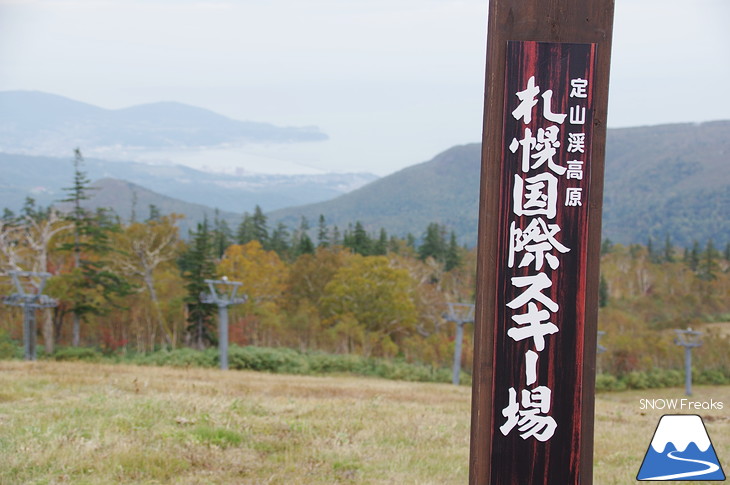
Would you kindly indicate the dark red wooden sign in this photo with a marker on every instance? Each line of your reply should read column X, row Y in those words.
column 536, row 309
column 541, row 264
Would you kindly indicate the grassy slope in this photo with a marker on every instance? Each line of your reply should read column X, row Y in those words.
column 98, row 424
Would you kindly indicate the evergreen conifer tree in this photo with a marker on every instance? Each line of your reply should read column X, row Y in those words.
column 411, row 241
column 359, row 241
column 708, row 267
column 246, row 231
column 301, row 242
column 380, row 247
column 650, row 250
column 434, row 244
column 155, row 214
column 279, row 241
column 602, row 292
column 259, row 227
column 90, row 247
column 323, row 238
column 196, row 265
column 222, row 235
column 606, row 246
column 8, row 216
column 452, row 258
column 336, row 236
column 668, row 250
column 693, row 259
column 305, row 246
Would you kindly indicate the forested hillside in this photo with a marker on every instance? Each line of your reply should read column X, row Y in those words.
column 669, row 180
column 444, row 190
column 660, row 181
column 135, row 288
column 377, row 285
column 648, row 292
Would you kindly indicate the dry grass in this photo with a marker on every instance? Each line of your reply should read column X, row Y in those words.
column 721, row 329
column 96, row 424
column 99, row 424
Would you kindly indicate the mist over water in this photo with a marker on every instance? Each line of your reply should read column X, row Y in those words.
column 290, row 159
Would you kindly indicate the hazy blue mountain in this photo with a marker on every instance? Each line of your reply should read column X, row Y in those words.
column 443, row 190
column 132, row 202
column 668, row 180
column 43, row 178
column 38, row 123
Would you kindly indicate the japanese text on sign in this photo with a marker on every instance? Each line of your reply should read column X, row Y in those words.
column 549, row 151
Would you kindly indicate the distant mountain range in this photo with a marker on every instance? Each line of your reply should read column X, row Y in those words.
column 44, row 177
column 132, row 203
column 443, row 190
column 36, row 123
column 660, row 181
column 668, row 180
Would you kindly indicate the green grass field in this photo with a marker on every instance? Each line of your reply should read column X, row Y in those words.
column 80, row 423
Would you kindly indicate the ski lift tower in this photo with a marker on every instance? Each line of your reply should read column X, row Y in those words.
column 600, row 348
column 461, row 314
column 28, row 294
column 223, row 294
column 688, row 339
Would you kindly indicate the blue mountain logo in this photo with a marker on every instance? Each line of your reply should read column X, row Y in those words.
column 681, row 450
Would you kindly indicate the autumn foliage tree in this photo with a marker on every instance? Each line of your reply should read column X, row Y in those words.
column 352, row 292
column 263, row 277
column 308, row 277
column 142, row 249
column 368, row 304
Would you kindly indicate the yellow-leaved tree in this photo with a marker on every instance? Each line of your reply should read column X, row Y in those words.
column 369, row 305
column 263, row 276
column 308, row 278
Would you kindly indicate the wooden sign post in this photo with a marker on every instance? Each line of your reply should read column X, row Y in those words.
column 539, row 239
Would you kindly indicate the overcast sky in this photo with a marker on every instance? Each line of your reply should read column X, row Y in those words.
column 392, row 82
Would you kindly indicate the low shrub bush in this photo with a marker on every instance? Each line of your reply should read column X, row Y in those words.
column 290, row 361
column 658, row 378
column 9, row 348
column 184, row 357
column 77, row 353
column 609, row 382
column 715, row 377
column 278, row 360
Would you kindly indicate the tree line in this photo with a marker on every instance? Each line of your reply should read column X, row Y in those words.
column 648, row 292
column 136, row 285
column 289, row 245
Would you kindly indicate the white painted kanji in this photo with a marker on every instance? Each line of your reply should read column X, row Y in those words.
column 536, row 241
column 536, row 196
column 534, row 286
column 530, row 414
column 534, row 324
